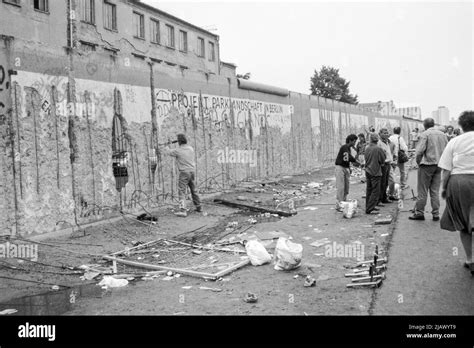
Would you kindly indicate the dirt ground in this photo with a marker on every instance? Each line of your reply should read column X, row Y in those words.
column 278, row 292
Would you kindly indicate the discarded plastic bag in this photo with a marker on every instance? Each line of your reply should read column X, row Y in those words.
column 349, row 209
column 257, row 253
column 111, row 282
column 288, row 255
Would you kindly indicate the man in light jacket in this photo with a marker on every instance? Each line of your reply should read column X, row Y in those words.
column 400, row 144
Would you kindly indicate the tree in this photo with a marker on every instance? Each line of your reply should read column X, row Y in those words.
column 328, row 84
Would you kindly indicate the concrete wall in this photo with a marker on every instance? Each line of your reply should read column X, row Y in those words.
column 58, row 107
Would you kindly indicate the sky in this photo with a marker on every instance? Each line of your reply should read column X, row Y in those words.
column 414, row 53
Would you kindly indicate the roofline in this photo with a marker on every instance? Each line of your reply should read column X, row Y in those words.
column 166, row 14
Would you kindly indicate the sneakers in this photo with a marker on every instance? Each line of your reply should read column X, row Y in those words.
column 181, row 213
column 417, row 217
column 436, row 218
column 199, row 209
column 380, row 204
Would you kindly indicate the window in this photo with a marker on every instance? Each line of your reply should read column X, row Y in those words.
column 155, row 31
column 183, row 41
column 41, row 5
column 110, row 16
column 212, row 53
column 201, row 48
column 88, row 11
column 170, row 35
column 139, row 25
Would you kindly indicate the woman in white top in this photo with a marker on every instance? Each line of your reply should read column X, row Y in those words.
column 457, row 163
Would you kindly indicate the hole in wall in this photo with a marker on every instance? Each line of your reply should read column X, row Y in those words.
column 120, row 154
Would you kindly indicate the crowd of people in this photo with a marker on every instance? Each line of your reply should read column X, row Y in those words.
column 444, row 161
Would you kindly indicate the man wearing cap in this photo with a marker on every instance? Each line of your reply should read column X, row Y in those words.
column 184, row 155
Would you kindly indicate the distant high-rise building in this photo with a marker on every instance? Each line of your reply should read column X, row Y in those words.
column 441, row 116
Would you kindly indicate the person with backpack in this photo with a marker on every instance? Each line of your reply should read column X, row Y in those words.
column 401, row 150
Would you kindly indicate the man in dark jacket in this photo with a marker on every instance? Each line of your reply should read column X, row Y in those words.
column 343, row 172
column 374, row 160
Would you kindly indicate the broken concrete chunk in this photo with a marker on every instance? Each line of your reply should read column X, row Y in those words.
column 383, row 221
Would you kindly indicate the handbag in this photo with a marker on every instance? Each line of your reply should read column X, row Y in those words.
column 402, row 156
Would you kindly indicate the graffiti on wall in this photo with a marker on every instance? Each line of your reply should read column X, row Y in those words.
column 218, row 110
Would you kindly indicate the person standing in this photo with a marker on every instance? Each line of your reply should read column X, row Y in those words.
column 428, row 152
column 457, row 164
column 450, row 133
column 400, row 145
column 360, row 148
column 384, row 144
column 414, row 138
column 184, row 155
column 343, row 173
column 374, row 160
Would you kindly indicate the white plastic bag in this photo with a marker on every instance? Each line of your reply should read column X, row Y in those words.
column 257, row 253
column 111, row 282
column 349, row 208
column 288, row 255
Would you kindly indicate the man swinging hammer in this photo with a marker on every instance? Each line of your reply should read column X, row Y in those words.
column 184, row 155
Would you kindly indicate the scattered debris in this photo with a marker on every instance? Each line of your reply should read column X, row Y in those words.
column 111, row 282
column 310, row 208
column 55, row 287
column 197, row 252
column 254, row 208
column 288, row 255
column 211, row 289
column 383, row 221
column 8, row 311
column 320, row 242
column 257, row 253
column 309, row 281
column 250, row 298
column 241, row 198
column 146, row 217
column 186, row 287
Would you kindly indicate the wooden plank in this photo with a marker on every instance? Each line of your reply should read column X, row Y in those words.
column 233, row 268
column 254, row 208
column 377, row 283
column 382, row 260
column 361, row 279
column 161, row 268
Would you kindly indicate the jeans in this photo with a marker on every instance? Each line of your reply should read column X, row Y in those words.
column 429, row 179
column 384, row 182
column 187, row 179
column 372, row 193
column 342, row 183
column 403, row 178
